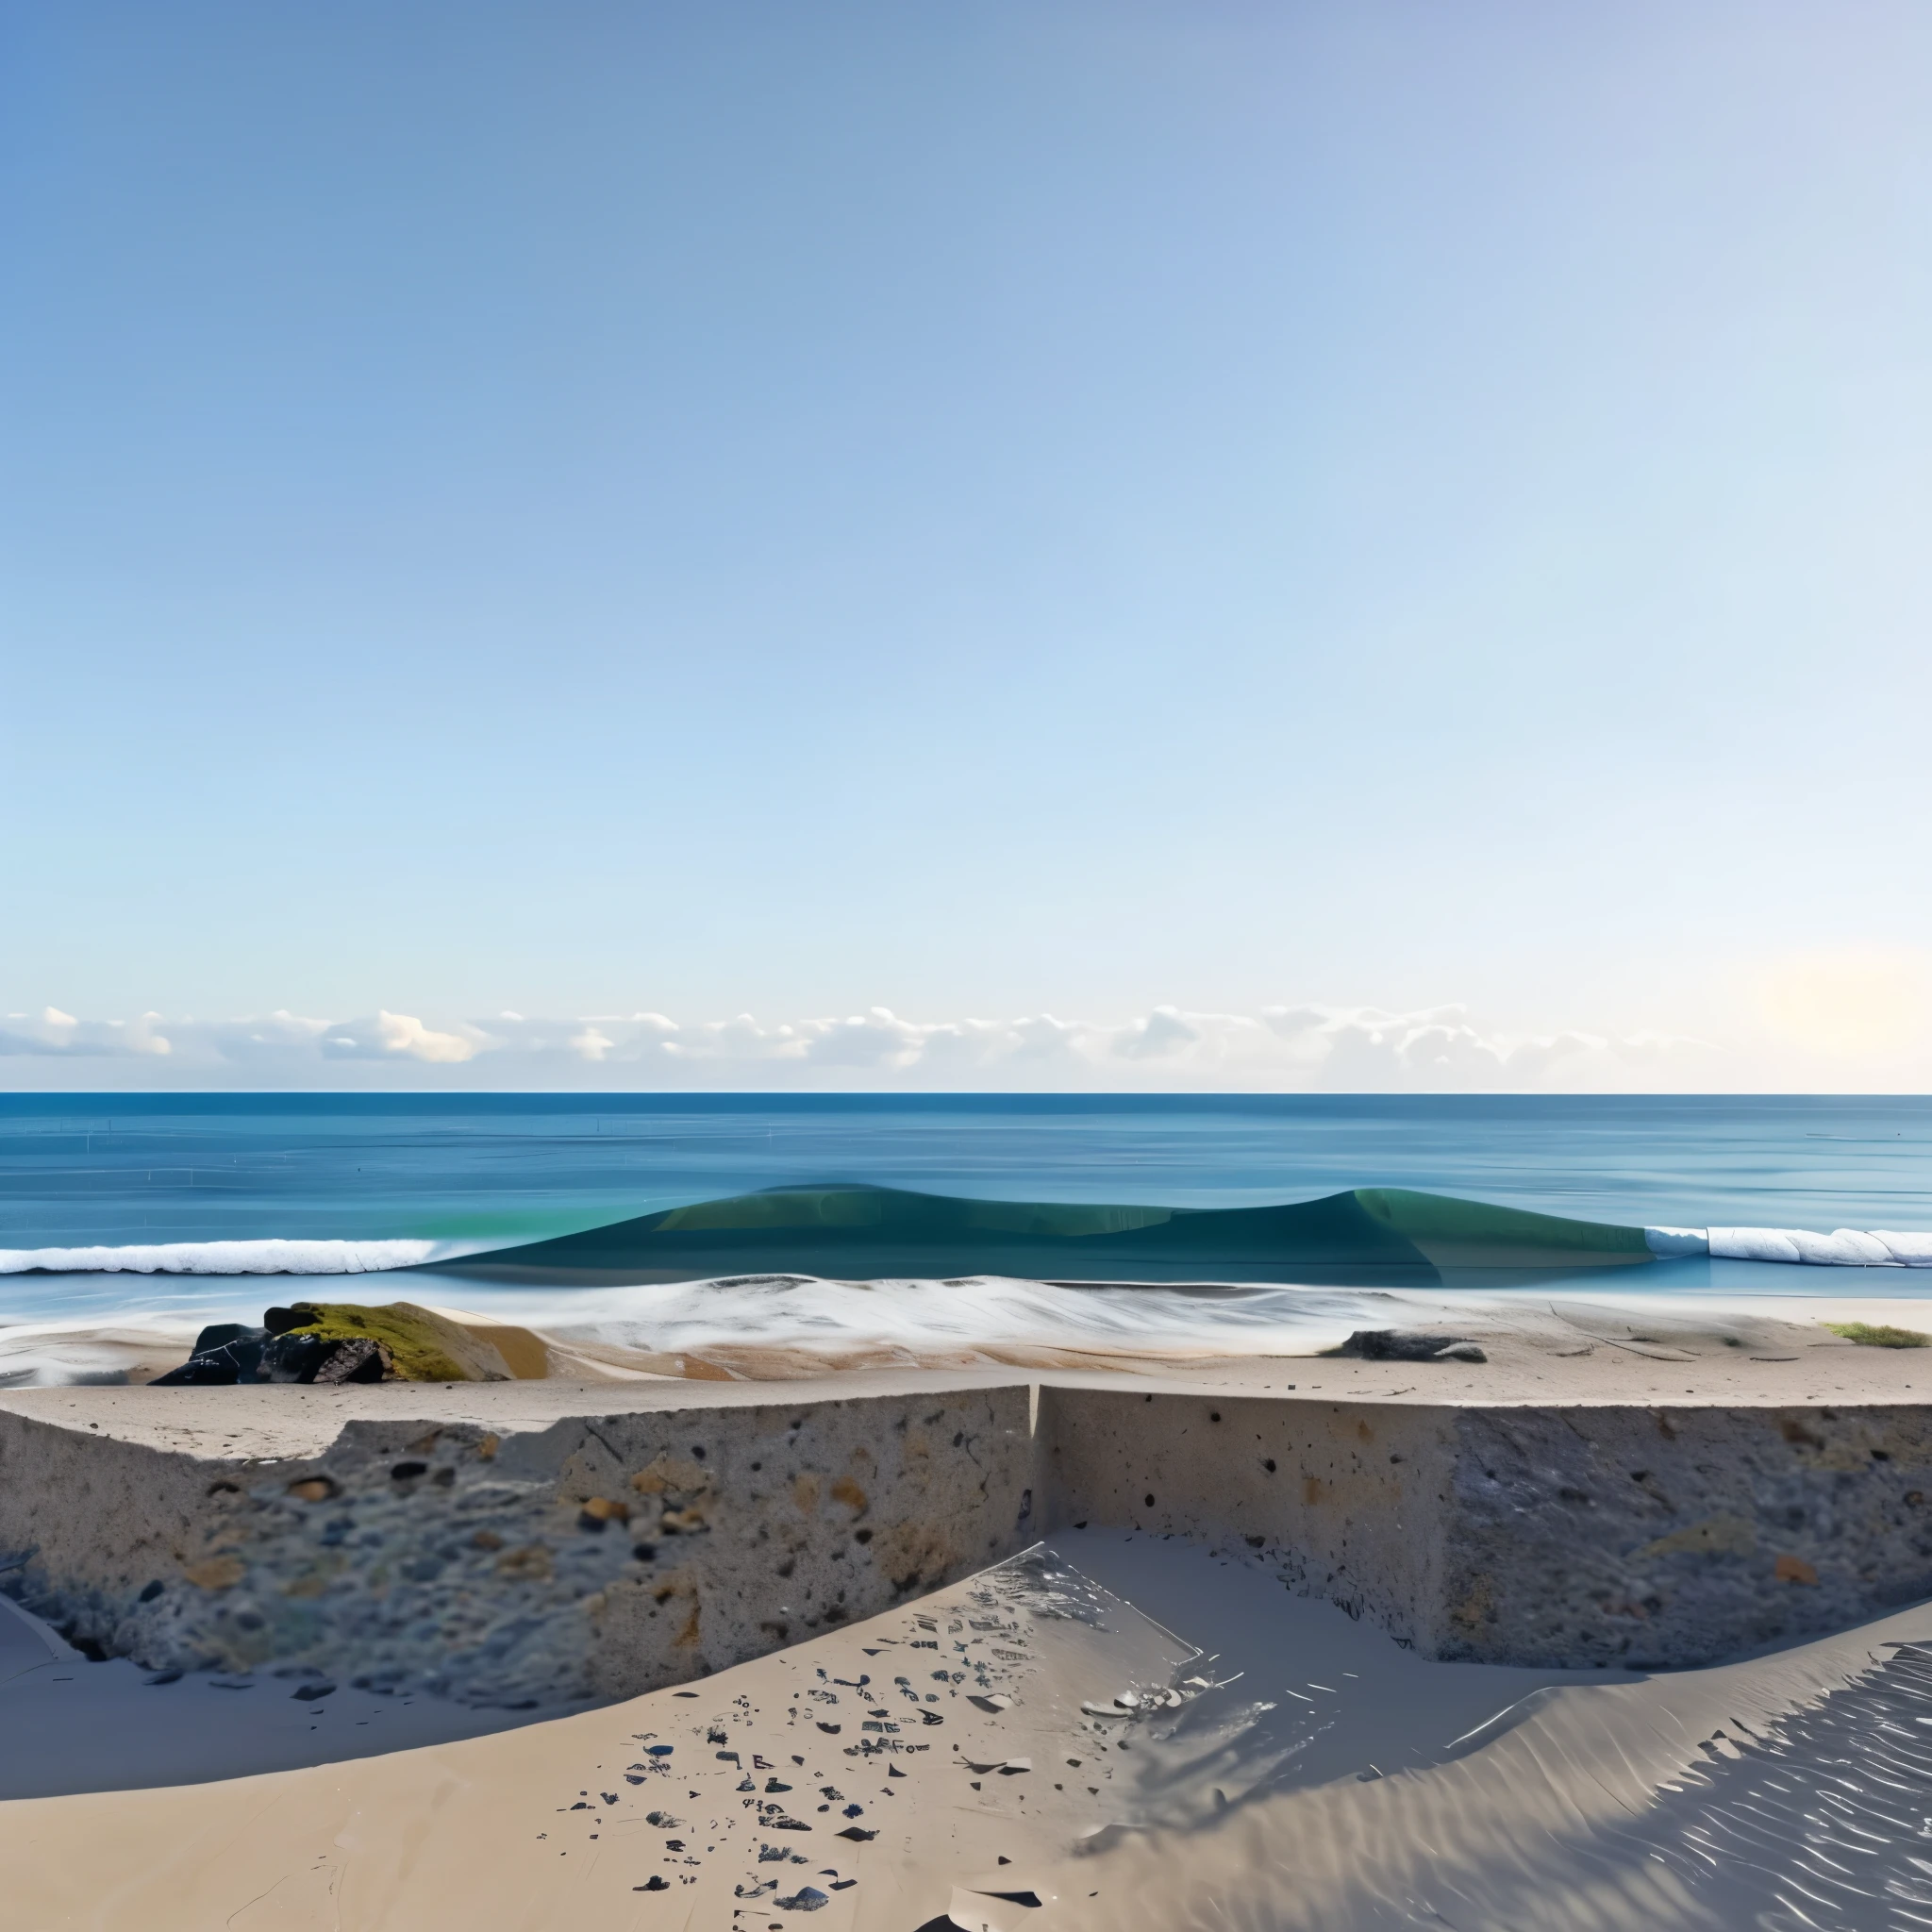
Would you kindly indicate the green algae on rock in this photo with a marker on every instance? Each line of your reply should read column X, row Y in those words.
column 419, row 1344
column 1879, row 1335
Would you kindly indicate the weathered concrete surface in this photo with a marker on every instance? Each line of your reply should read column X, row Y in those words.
column 1680, row 1536
column 1340, row 1497
column 1552, row 1536
column 609, row 1551
column 535, row 1539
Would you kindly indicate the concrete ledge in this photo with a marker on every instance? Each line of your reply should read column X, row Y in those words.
column 531, row 1541
column 608, row 1552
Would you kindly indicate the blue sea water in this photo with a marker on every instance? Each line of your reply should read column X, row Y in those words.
column 497, row 1168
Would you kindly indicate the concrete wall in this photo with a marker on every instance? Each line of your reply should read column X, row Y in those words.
column 600, row 1553
column 1572, row 1536
column 1343, row 1500
column 612, row 1552
column 1679, row 1535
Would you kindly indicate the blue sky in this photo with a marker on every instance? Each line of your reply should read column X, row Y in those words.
column 1037, row 515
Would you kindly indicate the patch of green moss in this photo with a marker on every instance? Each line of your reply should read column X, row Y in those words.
column 421, row 1347
column 1877, row 1335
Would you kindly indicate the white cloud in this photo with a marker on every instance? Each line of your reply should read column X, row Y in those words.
column 1287, row 1048
column 1160, row 1036
column 399, row 1036
column 52, row 1034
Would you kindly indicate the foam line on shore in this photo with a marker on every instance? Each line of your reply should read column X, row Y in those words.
column 804, row 1310
column 237, row 1257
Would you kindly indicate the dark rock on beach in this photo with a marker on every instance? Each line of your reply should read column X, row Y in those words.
column 361, row 1360
column 223, row 1351
column 228, row 1352
column 1408, row 1345
column 331, row 1342
column 294, row 1358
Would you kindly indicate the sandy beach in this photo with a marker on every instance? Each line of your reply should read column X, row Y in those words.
column 949, row 1763
column 1137, row 1718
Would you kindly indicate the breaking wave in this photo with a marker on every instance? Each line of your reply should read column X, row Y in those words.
column 1844, row 1248
column 1364, row 1237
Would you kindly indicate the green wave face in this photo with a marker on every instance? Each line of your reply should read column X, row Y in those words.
column 849, row 1208
column 1369, row 1236
column 1473, row 1234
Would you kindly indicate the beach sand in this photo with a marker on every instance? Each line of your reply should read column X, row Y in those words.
column 1309, row 1773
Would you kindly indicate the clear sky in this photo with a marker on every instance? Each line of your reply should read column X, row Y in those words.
column 1175, row 518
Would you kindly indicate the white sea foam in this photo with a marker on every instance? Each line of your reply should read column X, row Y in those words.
column 1908, row 1249
column 776, row 1311
column 1843, row 1247
column 236, row 1258
column 805, row 1311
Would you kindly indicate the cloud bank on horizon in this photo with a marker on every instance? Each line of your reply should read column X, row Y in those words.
column 1307, row 1047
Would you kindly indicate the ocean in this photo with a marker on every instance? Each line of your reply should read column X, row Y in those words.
column 117, row 1208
